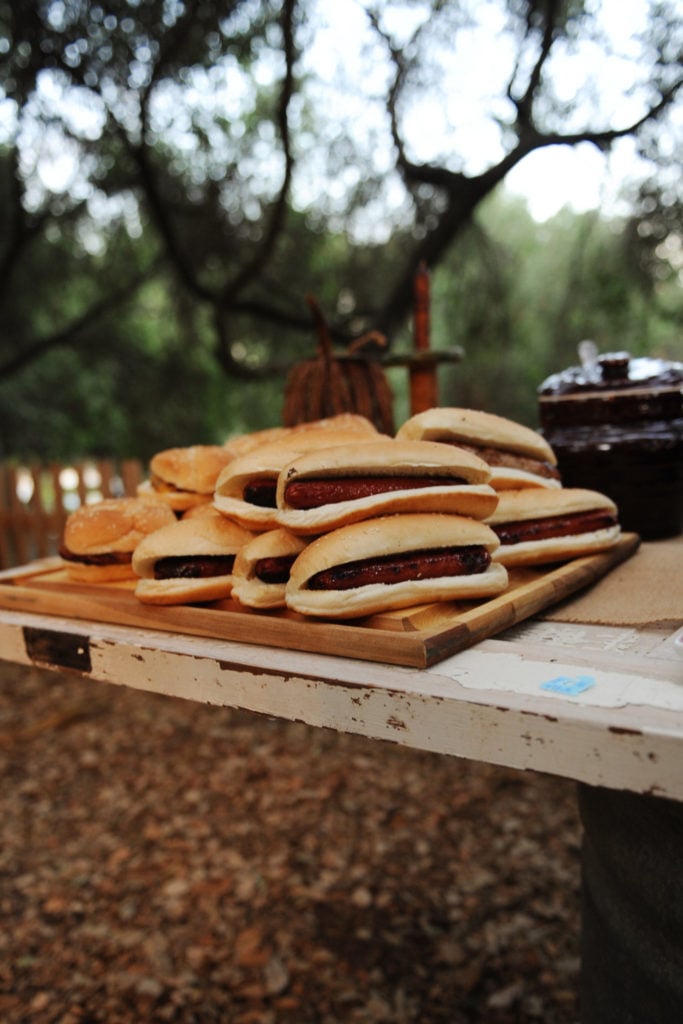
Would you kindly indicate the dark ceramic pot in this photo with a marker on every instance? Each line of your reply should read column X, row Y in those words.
column 616, row 426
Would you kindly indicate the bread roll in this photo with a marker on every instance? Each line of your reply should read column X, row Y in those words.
column 189, row 561
column 355, row 482
column 518, row 456
column 537, row 527
column 99, row 539
column 185, row 477
column 392, row 562
column 246, row 489
column 245, row 443
column 262, row 568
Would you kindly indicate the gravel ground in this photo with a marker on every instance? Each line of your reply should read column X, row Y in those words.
column 166, row 861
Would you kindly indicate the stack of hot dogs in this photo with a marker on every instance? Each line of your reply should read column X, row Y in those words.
column 333, row 519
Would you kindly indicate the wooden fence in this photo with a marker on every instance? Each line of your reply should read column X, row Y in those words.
column 35, row 501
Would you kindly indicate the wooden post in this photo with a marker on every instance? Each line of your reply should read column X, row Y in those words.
column 423, row 384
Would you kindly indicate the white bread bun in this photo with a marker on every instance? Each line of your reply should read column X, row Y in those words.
column 205, row 508
column 387, row 535
column 81, row 572
column 185, row 477
column 245, row 443
column 518, row 456
column 543, row 508
column 201, row 537
column 248, row 587
column 342, row 421
column 262, row 466
column 99, row 539
column 387, row 458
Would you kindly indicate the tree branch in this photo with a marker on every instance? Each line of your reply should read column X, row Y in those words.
column 550, row 17
column 158, row 208
column 463, row 193
column 252, row 268
column 20, row 231
column 68, row 335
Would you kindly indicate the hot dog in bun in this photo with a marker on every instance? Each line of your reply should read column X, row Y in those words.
column 99, row 539
column 190, row 560
column 184, row 477
column 394, row 562
column 536, row 527
column 246, row 488
column 518, row 456
column 323, row 490
column 262, row 568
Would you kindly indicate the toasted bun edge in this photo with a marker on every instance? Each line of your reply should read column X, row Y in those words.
column 476, row 501
column 539, row 503
column 187, row 537
column 378, row 597
column 477, row 427
column 555, row 549
column 387, row 535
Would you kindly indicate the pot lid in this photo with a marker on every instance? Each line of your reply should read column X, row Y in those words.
column 612, row 371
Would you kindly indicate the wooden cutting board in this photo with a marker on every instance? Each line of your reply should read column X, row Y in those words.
column 416, row 637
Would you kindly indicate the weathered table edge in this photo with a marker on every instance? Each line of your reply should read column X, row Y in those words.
column 625, row 748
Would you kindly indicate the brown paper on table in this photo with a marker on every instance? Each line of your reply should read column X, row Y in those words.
column 645, row 590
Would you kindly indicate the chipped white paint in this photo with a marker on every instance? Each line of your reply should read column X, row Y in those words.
column 487, row 703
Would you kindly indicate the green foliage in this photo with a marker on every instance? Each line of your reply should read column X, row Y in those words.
column 519, row 296
column 516, row 295
column 160, row 297
column 129, row 402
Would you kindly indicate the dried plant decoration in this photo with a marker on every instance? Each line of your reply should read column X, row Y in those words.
column 329, row 384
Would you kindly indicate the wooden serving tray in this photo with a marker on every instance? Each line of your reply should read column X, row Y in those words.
column 416, row 637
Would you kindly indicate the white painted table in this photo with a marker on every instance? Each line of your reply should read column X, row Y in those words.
column 601, row 705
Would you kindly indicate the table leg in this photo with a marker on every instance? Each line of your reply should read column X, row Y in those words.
column 632, row 908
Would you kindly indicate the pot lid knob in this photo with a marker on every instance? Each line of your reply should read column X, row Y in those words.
column 614, row 365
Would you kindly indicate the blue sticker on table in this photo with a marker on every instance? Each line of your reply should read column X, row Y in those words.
column 569, row 686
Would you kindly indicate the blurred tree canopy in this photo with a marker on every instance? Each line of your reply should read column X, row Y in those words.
column 176, row 177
